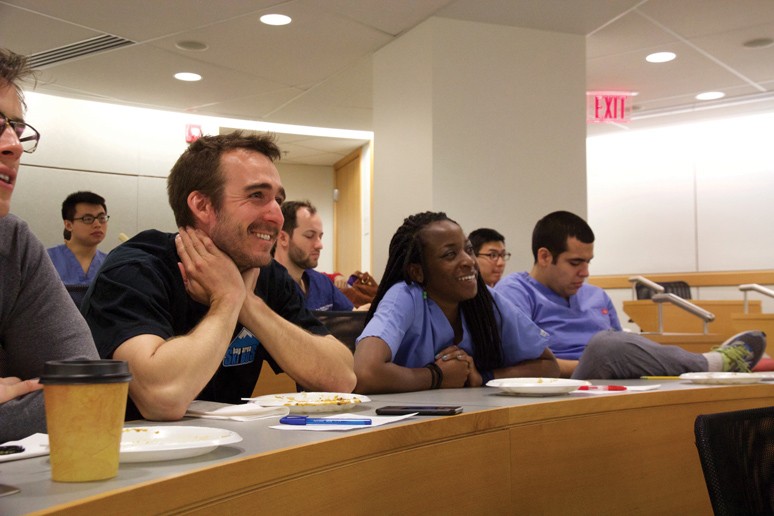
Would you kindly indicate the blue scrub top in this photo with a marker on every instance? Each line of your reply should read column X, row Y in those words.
column 570, row 322
column 70, row 270
column 322, row 294
column 416, row 329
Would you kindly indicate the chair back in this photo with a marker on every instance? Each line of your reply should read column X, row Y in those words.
column 679, row 288
column 344, row 325
column 736, row 450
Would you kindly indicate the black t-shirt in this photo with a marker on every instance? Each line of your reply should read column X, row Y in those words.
column 139, row 290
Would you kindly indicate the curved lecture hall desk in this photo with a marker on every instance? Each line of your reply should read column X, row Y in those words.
column 612, row 453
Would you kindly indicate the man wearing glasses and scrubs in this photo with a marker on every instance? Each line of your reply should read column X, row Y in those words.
column 489, row 246
column 85, row 226
column 38, row 321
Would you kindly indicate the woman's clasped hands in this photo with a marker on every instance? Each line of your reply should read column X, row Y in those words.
column 458, row 367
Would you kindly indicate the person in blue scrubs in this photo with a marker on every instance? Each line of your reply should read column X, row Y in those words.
column 435, row 324
column 586, row 334
column 85, row 226
column 298, row 250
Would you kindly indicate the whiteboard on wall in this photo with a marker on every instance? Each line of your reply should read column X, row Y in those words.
column 641, row 205
column 691, row 197
column 735, row 194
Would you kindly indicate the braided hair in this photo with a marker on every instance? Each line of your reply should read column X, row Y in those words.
column 407, row 247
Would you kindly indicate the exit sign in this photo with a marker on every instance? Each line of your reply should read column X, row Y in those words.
column 608, row 106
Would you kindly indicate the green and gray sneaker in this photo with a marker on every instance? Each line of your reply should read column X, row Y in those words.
column 742, row 351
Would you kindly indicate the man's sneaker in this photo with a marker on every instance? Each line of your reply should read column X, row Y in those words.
column 742, row 351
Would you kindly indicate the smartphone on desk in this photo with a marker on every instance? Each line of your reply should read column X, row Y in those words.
column 426, row 410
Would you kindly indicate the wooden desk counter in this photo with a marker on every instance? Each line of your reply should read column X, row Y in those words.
column 644, row 313
column 621, row 453
column 753, row 321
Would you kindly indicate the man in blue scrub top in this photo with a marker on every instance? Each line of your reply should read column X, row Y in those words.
column 298, row 250
column 585, row 333
column 85, row 225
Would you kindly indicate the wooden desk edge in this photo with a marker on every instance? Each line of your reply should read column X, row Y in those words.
column 246, row 476
column 694, row 279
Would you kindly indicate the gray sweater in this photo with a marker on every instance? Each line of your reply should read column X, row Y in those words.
column 38, row 322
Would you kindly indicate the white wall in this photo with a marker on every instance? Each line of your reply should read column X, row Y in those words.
column 403, row 137
column 684, row 198
column 315, row 184
column 366, row 168
column 125, row 154
column 484, row 122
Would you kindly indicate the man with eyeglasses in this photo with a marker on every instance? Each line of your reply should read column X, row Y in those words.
column 85, row 225
column 489, row 246
column 585, row 334
column 38, row 321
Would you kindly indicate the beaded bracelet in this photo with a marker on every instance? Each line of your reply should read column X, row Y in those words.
column 437, row 375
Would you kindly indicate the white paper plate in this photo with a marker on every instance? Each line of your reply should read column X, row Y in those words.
column 307, row 402
column 536, row 386
column 722, row 378
column 157, row 443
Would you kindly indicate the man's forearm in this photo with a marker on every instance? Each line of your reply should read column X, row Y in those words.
column 169, row 374
column 313, row 361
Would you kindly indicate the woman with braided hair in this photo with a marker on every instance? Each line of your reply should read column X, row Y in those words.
column 434, row 323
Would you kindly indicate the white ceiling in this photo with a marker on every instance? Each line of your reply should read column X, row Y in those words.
column 317, row 70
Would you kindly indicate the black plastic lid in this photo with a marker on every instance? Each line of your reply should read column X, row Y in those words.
column 85, row 371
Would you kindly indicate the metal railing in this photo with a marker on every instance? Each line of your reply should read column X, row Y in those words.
column 641, row 280
column 689, row 307
column 757, row 288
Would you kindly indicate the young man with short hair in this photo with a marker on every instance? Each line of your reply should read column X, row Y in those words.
column 196, row 313
column 298, row 250
column 489, row 246
column 85, row 224
column 585, row 334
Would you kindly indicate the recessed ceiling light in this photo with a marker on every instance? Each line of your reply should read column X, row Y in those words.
column 196, row 46
column 710, row 95
column 188, row 77
column 758, row 43
column 660, row 57
column 275, row 19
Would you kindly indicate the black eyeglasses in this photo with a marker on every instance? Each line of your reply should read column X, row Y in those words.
column 89, row 219
column 494, row 255
column 28, row 136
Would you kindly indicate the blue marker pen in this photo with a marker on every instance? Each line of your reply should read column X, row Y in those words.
column 306, row 420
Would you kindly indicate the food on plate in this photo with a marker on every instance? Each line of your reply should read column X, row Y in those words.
column 304, row 399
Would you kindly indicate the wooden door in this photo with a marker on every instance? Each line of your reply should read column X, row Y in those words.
column 347, row 218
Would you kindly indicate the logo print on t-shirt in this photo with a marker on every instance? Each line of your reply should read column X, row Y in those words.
column 604, row 311
column 242, row 349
